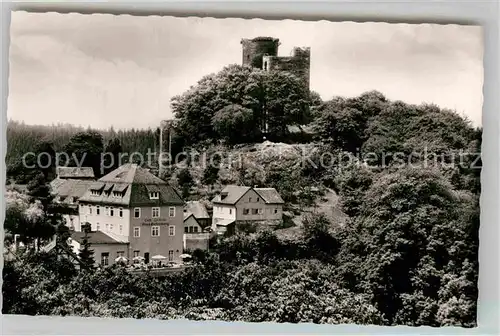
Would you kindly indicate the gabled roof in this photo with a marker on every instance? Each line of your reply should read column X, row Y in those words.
column 269, row 195
column 234, row 193
column 136, row 184
column 69, row 188
column 187, row 215
column 75, row 172
column 132, row 173
column 197, row 208
column 95, row 237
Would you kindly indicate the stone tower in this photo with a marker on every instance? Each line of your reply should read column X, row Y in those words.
column 262, row 53
column 254, row 49
column 298, row 64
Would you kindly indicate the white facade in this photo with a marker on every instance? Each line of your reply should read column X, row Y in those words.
column 109, row 219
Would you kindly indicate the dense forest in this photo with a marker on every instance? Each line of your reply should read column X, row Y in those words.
column 407, row 252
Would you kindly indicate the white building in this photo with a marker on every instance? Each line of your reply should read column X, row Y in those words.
column 245, row 204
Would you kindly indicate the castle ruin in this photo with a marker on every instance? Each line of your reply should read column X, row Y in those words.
column 262, row 53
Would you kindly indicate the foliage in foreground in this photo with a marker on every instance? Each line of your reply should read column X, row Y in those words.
column 408, row 257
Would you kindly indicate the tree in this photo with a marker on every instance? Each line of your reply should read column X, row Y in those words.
column 86, row 254
column 345, row 121
column 112, row 155
column 236, row 124
column 275, row 98
column 185, row 181
column 210, row 174
column 410, row 236
column 47, row 159
column 85, row 149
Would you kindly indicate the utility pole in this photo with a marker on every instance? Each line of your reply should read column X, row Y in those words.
column 168, row 125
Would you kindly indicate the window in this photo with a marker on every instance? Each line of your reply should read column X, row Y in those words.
column 137, row 231
column 107, row 226
column 105, row 258
column 249, row 200
column 106, row 211
column 260, row 211
column 230, row 211
column 186, row 229
column 121, row 228
column 137, row 212
column 121, row 212
column 155, row 212
column 111, row 212
column 171, row 230
column 246, row 211
column 98, row 227
column 255, row 211
column 171, row 212
column 275, row 211
column 120, row 254
column 90, row 209
column 171, row 255
column 195, row 229
column 154, row 195
column 136, row 253
column 97, row 210
column 155, row 231
column 190, row 229
column 258, row 199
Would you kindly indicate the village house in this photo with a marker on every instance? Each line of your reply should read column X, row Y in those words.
column 70, row 184
column 197, row 226
column 106, row 249
column 132, row 206
column 239, row 204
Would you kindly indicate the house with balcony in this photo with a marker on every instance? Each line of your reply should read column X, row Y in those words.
column 133, row 206
column 241, row 204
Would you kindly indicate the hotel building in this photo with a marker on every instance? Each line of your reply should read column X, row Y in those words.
column 134, row 207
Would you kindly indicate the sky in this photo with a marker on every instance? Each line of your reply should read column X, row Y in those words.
column 103, row 70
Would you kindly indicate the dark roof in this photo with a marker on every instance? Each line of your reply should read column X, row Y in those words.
column 234, row 193
column 132, row 173
column 95, row 237
column 203, row 225
column 136, row 184
column 75, row 172
column 69, row 188
column 197, row 208
column 269, row 195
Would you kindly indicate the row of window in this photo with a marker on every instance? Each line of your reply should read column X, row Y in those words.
column 191, row 229
column 155, row 212
column 118, row 194
column 155, row 231
column 110, row 211
column 259, row 211
column 109, row 227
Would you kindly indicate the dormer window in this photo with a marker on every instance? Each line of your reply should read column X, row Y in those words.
column 117, row 194
column 154, row 195
column 95, row 192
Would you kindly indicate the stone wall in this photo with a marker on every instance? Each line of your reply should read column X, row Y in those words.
column 254, row 49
